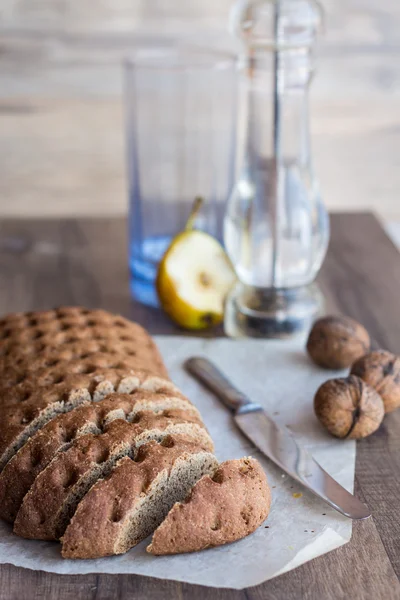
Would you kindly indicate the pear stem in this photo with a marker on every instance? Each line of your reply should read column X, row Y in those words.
column 197, row 204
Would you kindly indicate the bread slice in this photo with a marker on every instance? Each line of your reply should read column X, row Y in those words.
column 20, row 472
column 123, row 509
column 221, row 508
column 27, row 408
column 52, row 499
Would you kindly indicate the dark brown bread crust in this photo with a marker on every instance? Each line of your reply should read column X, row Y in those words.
column 99, row 522
column 20, row 472
column 62, row 319
column 40, row 354
column 49, row 368
column 220, row 509
column 27, row 407
column 39, row 515
column 24, row 320
column 27, row 333
column 49, row 336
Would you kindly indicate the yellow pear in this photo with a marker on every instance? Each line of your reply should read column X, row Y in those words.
column 194, row 277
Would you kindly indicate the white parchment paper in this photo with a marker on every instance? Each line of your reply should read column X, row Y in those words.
column 278, row 375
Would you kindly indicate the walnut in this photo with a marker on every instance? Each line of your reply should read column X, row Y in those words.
column 381, row 370
column 349, row 407
column 336, row 342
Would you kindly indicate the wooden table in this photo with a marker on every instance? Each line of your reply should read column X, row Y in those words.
column 50, row 262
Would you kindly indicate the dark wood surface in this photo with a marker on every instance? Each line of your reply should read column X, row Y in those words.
column 48, row 263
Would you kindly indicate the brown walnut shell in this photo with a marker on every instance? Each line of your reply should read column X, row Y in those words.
column 336, row 342
column 381, row 370
column 349, row 407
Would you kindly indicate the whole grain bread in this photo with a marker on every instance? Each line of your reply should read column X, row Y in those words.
column 26, row 408
column 20, row 335
column 38, row 354
column 49, row 369
column 125, row 507
column 20, row 472
column 92, row 429
column 27, row 319
column 64, row 318
column 221, row 508
column 50, row 503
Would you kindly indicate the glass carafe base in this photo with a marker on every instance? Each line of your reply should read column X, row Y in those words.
column 271, row 313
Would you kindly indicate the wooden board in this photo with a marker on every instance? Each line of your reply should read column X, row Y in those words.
column 45, row 263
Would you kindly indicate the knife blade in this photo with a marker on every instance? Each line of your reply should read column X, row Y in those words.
column 276, row 443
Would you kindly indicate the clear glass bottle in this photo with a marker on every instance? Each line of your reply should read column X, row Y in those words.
column 276, row 229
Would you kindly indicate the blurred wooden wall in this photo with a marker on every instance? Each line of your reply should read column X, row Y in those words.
column 61, row 129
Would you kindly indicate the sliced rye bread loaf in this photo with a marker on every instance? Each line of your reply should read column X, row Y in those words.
column 125, row 507
column 27, row 408
column 48, row 369
column 50, row 503
column 20, row 472
column 222, row 507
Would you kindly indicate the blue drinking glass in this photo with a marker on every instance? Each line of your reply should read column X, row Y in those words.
column 181, row 138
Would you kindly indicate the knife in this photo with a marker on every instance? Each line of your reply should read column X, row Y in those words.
column 275, row 442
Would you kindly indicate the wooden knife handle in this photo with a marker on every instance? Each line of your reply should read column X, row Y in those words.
column 208, row 374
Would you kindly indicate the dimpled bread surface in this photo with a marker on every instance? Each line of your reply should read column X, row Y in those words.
column 100, row 448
